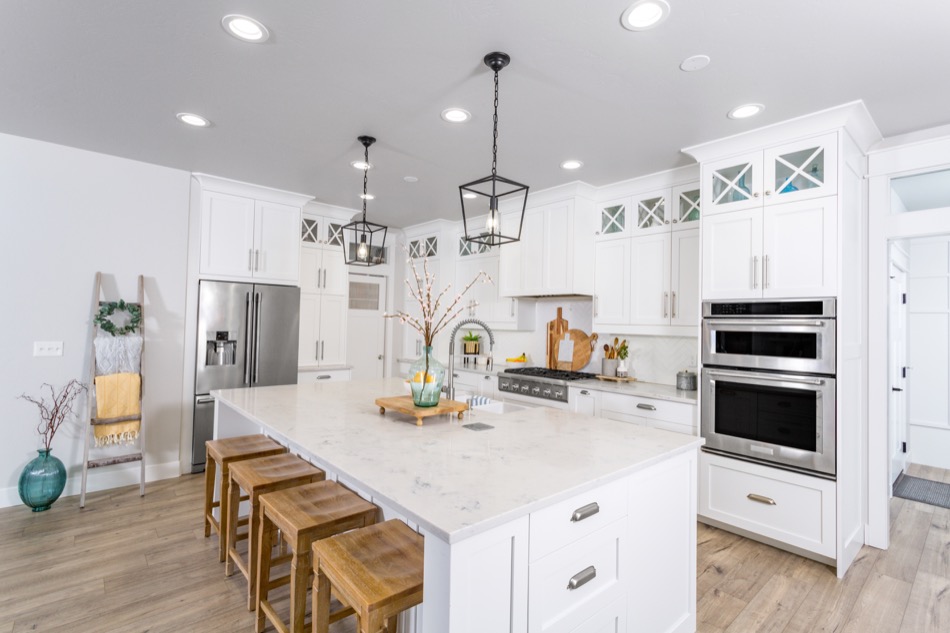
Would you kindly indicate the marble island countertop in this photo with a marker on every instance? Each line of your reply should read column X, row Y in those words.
column 453, row 481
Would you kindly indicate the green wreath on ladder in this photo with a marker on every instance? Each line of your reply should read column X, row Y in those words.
column 107, row 309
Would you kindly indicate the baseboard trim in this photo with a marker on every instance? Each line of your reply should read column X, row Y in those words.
column 104, row 478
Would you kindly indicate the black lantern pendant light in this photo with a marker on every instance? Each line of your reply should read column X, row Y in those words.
column 364, row 241
column 483, row 195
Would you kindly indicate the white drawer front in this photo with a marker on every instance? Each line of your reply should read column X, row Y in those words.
column 572, row 519
column 676, row 412
column 555, row 608
column 795, row 509
column 612, row 619
column 329, row 375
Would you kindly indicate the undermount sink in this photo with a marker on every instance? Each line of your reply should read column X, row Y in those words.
column 499, row 408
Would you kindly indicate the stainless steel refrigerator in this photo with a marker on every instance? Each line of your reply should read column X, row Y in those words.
column 247, row 337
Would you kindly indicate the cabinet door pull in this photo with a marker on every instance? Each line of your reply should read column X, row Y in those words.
column 323, row 349
column 487, row 377
column 581, row 578
column 666, row 300
column 257, row 260
column 673, row 304
column 596, row 305
column 755, row 195
column 323, row 377
column 755, row 272
column 585, row 512
column 316, row 352
column 765, row 271
column 250, row 260
column 512, row 307
column 584, row 392
column 646, row 407
column 761, row 499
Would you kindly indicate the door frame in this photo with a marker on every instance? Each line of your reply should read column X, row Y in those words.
column 914, row 153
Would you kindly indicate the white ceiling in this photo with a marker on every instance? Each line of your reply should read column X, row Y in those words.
column 109, row 76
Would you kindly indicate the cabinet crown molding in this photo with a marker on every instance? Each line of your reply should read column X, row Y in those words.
column 208, row 182
column 853, row 117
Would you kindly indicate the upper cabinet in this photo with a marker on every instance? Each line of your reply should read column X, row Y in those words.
column 800, row 170
column 555, row 254
column 646, row 262
column 484, row 301
column 248, row 232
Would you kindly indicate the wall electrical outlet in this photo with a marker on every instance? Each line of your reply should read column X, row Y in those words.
column 47, row 348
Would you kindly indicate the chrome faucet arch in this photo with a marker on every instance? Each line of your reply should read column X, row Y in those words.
column 449, row 386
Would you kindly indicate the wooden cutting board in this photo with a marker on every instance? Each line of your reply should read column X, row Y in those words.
column 556, row 331
column 583, row 346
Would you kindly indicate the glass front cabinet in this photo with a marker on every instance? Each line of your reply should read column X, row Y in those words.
column 801, row 170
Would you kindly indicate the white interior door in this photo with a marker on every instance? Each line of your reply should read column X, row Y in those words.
column 366, row 332
column 897, row 370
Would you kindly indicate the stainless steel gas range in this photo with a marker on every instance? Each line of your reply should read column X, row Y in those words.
column 538, row 386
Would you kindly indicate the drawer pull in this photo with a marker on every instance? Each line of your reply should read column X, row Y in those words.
column 585, row 512
column 761, row 499
column 648, row 407
column 324, row 377
column 582, row 577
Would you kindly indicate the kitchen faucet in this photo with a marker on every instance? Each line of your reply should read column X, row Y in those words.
column 449, row 386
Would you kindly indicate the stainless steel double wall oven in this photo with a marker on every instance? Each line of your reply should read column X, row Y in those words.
column 768, row 382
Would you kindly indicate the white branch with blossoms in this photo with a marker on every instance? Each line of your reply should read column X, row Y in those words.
column 421, row 290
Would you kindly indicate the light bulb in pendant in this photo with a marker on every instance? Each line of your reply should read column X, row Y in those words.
column 362, row 251
column 492, row 224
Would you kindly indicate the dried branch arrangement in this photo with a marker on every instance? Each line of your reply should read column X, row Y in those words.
column 432, row 321
column 55, row 411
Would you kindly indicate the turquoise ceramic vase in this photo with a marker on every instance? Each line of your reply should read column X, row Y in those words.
column 42, row 481
column 426, row 375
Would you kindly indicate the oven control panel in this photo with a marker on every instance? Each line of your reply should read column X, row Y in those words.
column 534, row 388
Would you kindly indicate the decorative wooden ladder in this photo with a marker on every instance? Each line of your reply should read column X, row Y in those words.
column 139, row 455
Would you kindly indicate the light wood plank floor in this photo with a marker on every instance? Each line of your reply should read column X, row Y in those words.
column 130, row 564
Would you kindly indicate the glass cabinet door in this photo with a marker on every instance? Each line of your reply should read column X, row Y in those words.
column 613, row 217
column 733, row 184
column 686, row 206
column 652, row 212
column 801, row 170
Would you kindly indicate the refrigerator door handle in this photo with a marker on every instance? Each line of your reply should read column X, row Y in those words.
column 248, row 334
column 257, row 334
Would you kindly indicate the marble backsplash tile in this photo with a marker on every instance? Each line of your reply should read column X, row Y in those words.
column 658, row 358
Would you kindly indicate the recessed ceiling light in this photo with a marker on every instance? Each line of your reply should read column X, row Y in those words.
column 456, row 115
column 746, row 110
column 245, row 29
column 410, row 179
column 645, row 14
column 572, row 164
column 367, row 196
column 359, row 164
column 469, row 195
column 195, row 120
column 696, row 62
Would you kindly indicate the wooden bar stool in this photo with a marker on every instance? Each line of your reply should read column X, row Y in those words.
column 376, row 571
column 221, row 454
column 255, row 477
column 303, row 515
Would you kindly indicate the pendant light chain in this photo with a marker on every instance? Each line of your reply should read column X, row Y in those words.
column 365, row 177
column 494, row 145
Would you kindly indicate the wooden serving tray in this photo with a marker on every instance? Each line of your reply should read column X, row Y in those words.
column 616, row 378
column 403, row 404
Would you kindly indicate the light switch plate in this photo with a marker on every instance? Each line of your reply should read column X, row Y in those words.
column 47, row 348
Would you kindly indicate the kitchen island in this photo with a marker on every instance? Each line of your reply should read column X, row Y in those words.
column 549, row 521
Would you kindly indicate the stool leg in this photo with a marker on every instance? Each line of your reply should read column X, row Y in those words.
column 321, row 601
column 209, row 492
column 224, row 523
column 253, row 527
column 300, row 568
column 263, row 567
column 233, row 505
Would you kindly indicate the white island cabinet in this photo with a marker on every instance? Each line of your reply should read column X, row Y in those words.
column 550, row 521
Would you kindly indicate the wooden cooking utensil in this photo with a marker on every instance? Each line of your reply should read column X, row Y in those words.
column 556, row 330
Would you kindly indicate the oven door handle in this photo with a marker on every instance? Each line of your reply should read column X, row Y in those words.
column 758, row 376
column 777, row 323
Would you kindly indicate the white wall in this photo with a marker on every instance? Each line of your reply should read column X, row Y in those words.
column 929, row 352
column 66, row 214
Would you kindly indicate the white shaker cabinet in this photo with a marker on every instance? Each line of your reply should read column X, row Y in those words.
column 650, row 279
column 324, row 290
column 245, row 236
column 612, row 282
column 787, row 250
